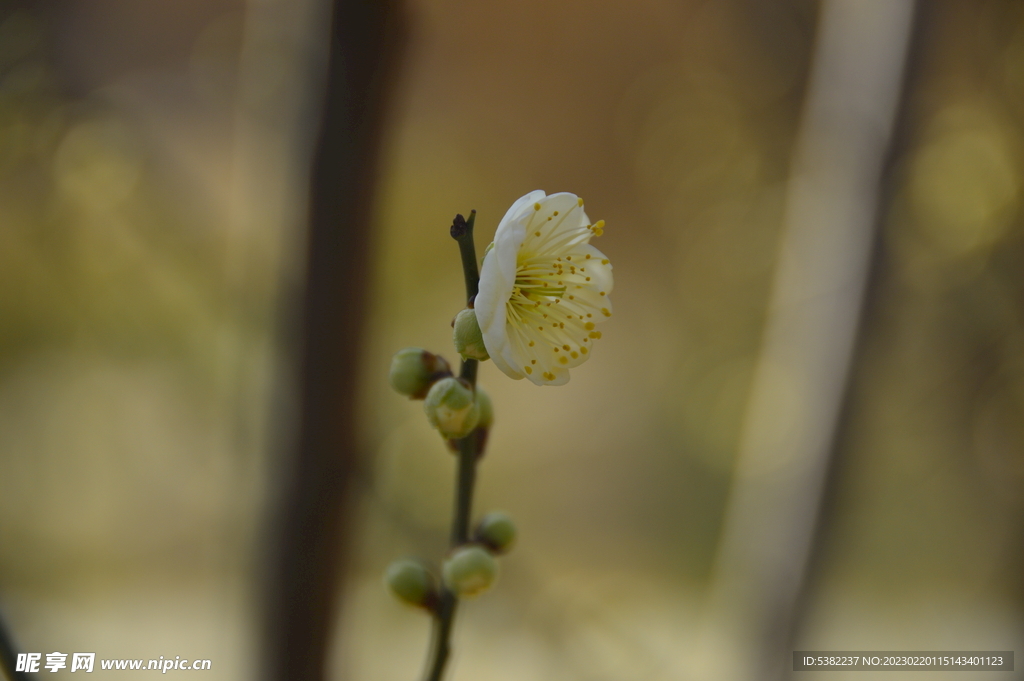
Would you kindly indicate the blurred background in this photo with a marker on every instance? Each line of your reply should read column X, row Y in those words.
column 153, row 174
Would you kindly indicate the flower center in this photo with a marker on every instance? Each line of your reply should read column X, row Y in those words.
column 532, row 289
column 536, row 286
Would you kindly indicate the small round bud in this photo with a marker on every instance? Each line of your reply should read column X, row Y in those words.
column 483, row 403
column 497, row 532
column 451, row 408
column 414, row 370
column 411, row 582
column 470, row 570
column 469, row 341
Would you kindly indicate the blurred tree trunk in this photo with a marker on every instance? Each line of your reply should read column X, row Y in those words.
column 802, row 375
column 309, row 548
column 901, row 144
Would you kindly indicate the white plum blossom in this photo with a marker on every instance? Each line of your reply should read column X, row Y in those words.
column 543, row 289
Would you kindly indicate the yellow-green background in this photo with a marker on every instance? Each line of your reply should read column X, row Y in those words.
column 152, row 168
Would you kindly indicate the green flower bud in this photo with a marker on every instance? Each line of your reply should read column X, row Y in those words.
column 483, row 403
column 469, row 342
column 451, row 408
column 470, row 570
column 497, row 532
column 414, row 370
column 411, row 582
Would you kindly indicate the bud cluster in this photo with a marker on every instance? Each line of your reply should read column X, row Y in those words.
column 453, row 406
column 469, row 570
column 458, row 410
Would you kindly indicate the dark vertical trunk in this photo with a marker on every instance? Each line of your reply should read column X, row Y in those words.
column 309, row 548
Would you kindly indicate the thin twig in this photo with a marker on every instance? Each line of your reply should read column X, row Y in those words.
column 469, row 453
column 462, row 232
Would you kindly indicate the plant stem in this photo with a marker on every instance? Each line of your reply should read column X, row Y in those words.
column 462, row 231
column 468, row 455
column 445, row 615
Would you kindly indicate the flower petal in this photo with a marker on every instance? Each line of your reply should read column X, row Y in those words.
column 560, row 219
column 593, row 269
column 543, row 288
column 521, row 207
column 497, row 277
